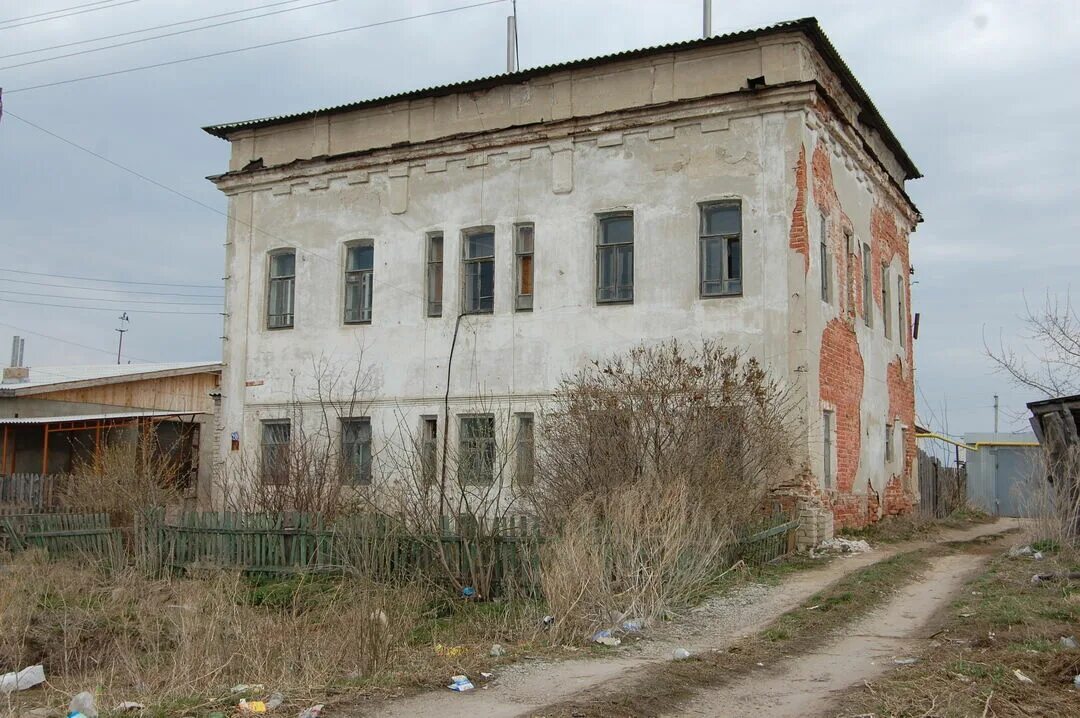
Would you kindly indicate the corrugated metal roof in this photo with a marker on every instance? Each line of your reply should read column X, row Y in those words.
column 808, row 25
column 92, row 417
column 56, row 376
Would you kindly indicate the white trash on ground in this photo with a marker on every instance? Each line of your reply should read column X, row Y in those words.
column 460, row 684
column 1068, row 642
column 82, row 706
column 497, row 650
column 21, row 680
column 841, row 545
column 680, row 654
column 1017, row 551
column 128, row 706
column 314, row 711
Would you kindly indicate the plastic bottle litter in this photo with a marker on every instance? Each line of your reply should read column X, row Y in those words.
column 497, row 650
column 21, row 680
column 275, row 701
column 905, row 661
column 632, row 626
column 1068, row 642
column 460, row 684
column 82, row 706
column 680, row 654
column 604, row 638
column 128, row 706
column 314, row 711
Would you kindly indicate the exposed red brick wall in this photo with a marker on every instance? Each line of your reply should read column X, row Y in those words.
column 800, row 238
column 902, row 405
column 841, row 378
column 847, row 276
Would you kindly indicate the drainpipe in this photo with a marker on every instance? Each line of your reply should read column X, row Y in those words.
column 446, row 422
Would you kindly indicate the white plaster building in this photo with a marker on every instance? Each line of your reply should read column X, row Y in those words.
column 563, row 213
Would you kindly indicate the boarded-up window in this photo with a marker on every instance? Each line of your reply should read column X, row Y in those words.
column 523, row 239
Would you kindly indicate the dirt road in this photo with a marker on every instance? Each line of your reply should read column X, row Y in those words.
column 524, row 689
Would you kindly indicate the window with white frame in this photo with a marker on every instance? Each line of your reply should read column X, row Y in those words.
column 721, row 249
column 476, row 450
column 282, row 286
column 429, row 449
column 615, row 258
column 867, row 288
column 359, row 278
column 826, row 267
column 434, row 274
column 828, row 425
column 901, row 315
column 886, row 303
column 274, row 451
column 356, row 450
column 525, row 468
column 478, row 268
column 524, row 236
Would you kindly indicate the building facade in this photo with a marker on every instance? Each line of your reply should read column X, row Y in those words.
column 484, row 239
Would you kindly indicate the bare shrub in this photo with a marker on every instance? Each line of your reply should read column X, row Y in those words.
column 710, row 418
column 125, row 478
column 650, row 466
column 457, row 497
column 1051, row 497
column 308, row 470
column 160, row 641
column 640, row 552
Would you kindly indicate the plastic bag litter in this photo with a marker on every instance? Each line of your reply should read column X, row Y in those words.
column 82, row 706
column 460, row 684
column 275, row 701
column 497, row 650
column 21, row 680
column 128, row 706
column 680, row 654
column 314, row 711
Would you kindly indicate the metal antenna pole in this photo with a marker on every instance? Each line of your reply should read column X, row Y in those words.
column 706, row 18
column 120, row 345
column 995, row 413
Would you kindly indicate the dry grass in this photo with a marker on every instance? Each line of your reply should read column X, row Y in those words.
column 663, row 688
column 1001, row 623
column 646, row 551
column 180, row 643
column 911, row 527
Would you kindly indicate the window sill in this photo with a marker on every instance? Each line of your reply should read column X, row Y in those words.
column 725, row 295
column 357, row 323
column 278, row 329
column 606, row 302
column 479, row 311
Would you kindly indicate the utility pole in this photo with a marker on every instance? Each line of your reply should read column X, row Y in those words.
column 512, row 63
column 995, row 413
column 123, row 328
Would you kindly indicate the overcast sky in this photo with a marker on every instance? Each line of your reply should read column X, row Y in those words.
column 982, row 95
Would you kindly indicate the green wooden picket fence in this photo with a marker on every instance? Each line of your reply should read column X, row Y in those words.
column 495, row 558
column 86, row 534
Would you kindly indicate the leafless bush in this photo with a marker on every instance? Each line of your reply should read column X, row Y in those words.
column 640, row 552
column 125, row 478
column 650, row 465
column 305, row 468
column 159, row 641
column 1052, row 498
column 457, row 497
column 709, row 418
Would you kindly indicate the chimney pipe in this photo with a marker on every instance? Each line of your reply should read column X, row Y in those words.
column 706, row 18
column 17, row 346
column 511, row 43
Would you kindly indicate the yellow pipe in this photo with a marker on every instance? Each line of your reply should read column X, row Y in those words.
column 947, row 440
column 1006, row 443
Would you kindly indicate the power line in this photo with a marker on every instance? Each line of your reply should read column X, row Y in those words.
column 178, row 193
column 110, row 291
column 255, row 47
column 163, row 35
column 98, row 279
column 70, row 14
column 125, row 302
column 104, row 309
column 148, row 29
column 110, row 352
column 53, row 12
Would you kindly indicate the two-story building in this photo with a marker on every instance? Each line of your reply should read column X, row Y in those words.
column 741, row 188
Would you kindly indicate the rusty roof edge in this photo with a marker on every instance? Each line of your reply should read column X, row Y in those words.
column 808, row 25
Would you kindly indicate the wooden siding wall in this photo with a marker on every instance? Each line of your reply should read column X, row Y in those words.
column 190, row 392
